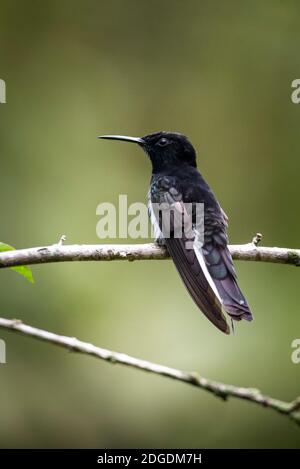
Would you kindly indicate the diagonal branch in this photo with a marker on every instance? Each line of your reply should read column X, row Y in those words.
column 131, row 252
column 224, row 391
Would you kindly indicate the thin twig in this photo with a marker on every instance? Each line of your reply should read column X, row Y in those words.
column 131, row 252
column 224, row 391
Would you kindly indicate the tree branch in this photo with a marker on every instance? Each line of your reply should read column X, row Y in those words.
column 60, row 253
column 131, row 252
column 224, row 391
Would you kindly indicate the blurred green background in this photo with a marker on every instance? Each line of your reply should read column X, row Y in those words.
column 219, row 72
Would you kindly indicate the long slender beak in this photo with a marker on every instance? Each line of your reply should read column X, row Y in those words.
column 138, row 140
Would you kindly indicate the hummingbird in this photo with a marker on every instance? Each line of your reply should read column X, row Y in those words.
column 205, row 267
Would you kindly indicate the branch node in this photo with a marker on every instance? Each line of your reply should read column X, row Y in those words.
column 112, row 359
column 257, row 239
column 16, row 322
column 295, row 406
column 61, row 240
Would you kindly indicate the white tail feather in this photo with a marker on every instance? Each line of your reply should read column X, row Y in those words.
column 200, row 257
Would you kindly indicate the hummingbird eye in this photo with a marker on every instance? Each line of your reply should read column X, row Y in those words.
column 162, row 142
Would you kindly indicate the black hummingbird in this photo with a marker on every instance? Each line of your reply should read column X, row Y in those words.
column 206, row 268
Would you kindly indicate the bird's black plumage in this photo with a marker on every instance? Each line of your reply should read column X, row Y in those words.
column 207, row 269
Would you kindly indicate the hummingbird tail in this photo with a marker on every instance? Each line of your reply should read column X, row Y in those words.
column 233, row 300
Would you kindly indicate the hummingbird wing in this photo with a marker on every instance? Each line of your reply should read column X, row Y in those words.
column 189, row 263
column 220, row 266
column 215, row 248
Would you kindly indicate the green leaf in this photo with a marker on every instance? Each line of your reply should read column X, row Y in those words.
column 23, row 270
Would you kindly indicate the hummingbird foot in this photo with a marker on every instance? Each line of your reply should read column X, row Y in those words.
column 160, row 241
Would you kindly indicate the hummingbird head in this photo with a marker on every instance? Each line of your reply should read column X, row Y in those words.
column 165, row 149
